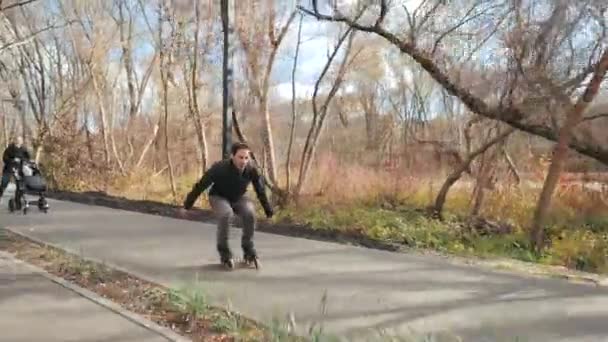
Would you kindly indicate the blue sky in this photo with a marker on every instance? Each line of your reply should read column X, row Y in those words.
column 317, row 38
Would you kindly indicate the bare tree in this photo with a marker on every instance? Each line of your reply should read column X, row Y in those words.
column 574, row 116
column 292, row 129
column 135, row 90
column 320, row 113
column 434, row 23
column 46, row 99
column 261, row 42
column 167, row 44
column 465, row 165
column 191, row 70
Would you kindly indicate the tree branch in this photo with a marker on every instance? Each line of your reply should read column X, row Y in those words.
column 32, row 36
column 383, row 12
column 597, row 116
column 509, row 114
column 16, row 4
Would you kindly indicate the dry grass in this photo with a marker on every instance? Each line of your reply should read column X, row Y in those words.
column 185, row 310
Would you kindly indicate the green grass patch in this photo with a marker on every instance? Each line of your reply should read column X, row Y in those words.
column 583, row 247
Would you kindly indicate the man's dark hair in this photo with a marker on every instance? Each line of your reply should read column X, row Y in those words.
column 238, row 146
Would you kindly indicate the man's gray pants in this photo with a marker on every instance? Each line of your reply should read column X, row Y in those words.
column 224, row 212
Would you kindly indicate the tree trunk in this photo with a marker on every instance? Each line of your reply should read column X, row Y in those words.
column 484, row 178
column 167, row 149
column 89, row 140
column 260, row 84
column 292, row 129
column 195, row 113
column 111, row 125
column 267, row 138
column 319, row 114
column 455, row 175
column 5, row 139
column 103, row 116
column 512, row 168
column 267, row 135
column 126, row 39
column 573, row 117
column 146, row 148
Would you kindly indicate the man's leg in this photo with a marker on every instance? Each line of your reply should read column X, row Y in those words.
column 246, row 211
column 223, row 212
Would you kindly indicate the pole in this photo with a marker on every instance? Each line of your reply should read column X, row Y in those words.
column 227, row 77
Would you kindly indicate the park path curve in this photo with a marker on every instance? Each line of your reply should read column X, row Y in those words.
column 366, row 289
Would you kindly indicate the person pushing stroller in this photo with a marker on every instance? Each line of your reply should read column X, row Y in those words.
column 229, row 180
column 27, row 176
column 12, row 157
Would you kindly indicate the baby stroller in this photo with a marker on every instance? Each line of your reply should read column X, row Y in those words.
column 28, row 180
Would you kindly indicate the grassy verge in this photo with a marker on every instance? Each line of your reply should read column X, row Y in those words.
column 185, row 310
column 574, row 248
column 399, row 228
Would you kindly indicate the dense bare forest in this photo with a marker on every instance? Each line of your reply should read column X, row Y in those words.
column 463, row 126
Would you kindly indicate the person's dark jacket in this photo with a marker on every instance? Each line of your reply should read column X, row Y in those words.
column 227, row 182
column 12, row 152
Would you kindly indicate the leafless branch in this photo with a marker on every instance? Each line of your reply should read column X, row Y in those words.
column 383, row 12
column 16, row 4
column 511, row 115
column 33, row 35
column 595, row 117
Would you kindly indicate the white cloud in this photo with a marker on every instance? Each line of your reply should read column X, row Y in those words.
column 411, row 4
column 317, row 38
column 283, row 91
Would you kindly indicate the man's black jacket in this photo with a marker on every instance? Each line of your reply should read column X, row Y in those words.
column 230, row 184
column 12, row 152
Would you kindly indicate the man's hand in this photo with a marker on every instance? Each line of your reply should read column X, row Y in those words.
column 269, row 212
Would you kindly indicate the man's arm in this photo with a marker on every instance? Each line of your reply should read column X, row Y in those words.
column 8, row 154
column 260, row 190
column 200, row 186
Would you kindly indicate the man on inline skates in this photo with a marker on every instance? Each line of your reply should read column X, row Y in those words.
column 14, row 150
column 229, row 180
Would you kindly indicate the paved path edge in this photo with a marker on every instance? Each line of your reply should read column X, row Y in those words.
column 95, row 298
column 496, row 264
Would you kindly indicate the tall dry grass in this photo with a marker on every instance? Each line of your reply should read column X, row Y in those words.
column 383, row 202
column 338, row 183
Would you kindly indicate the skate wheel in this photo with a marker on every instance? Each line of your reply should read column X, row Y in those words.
column 252, row 262
column 229, row 264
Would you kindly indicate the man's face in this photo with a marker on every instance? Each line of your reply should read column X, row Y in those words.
column 19, row 141
column 241, row 158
